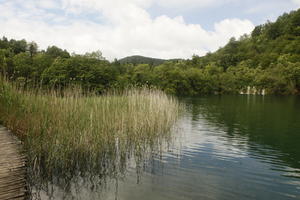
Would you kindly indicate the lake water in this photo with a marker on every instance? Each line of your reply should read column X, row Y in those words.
column 226, row 147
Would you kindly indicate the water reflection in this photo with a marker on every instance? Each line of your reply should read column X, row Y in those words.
column 87, row 176
column 229, row 147
column 269, row 123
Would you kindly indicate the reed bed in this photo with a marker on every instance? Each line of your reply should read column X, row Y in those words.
column 67, row 131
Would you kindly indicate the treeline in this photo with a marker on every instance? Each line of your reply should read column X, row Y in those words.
column 268, row 59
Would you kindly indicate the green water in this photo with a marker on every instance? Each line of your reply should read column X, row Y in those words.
column 226, row 147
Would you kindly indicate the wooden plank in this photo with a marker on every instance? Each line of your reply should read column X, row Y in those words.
column 12, row 167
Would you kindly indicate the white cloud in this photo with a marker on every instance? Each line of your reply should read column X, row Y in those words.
column 189, row 4
column 127, row 29
column 297, row 2
column 96, row 4
column 47, row 4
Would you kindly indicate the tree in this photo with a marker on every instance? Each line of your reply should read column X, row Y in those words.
column 18, row 46
column 95, row 55
column 4, row 44
column 32, row 48
column 23, row 67
column 3, row 66
column 257, row 31
column 56, row 52
column 273, row 30
column 89, row 73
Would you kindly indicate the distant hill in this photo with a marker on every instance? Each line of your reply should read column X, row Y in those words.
column 142, row 60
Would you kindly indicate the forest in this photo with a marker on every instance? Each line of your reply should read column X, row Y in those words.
column 267, row 59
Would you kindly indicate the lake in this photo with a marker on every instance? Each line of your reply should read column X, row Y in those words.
column 225, row 147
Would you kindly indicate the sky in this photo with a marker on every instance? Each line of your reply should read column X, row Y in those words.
column 119, row 28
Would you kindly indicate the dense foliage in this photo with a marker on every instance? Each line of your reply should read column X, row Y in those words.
column 268, row 59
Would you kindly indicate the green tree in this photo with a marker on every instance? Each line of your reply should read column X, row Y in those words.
column 23, row 68
column 56, row 52
column 32, row 48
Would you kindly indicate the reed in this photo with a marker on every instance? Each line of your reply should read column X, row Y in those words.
column 66, row 130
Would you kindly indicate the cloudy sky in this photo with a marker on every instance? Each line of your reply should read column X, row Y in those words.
column 119, row 28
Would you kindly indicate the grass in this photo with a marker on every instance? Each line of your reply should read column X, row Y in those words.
column 67, row 131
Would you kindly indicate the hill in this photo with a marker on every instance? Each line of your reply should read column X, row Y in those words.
column 266, row 44
column 141, row 60
column 268, row 58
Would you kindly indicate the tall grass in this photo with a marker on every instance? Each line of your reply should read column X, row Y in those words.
column 67, row 131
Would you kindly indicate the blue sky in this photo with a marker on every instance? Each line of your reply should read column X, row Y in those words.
column 257, row 11
column 119, row 28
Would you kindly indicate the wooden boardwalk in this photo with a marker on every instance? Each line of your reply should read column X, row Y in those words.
column 12, row 167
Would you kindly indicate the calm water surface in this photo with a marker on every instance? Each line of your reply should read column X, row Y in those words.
column 227, row 147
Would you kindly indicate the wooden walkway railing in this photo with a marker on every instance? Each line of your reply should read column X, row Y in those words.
column 12, row 167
